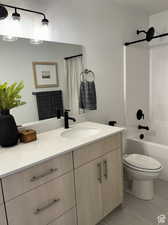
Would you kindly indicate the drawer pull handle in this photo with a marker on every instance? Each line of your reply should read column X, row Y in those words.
column 99, row 167
column 105, row 169
column 39, row 210
column 35, row 178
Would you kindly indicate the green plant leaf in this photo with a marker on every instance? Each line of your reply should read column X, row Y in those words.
column 10, row 95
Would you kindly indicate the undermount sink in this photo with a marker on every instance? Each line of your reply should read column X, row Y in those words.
column 80, row 132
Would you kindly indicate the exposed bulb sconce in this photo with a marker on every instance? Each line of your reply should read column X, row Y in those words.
column 45, row 21
column 3, row 12
column 16, row 15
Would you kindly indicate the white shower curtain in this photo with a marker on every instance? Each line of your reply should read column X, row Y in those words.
column 74, row 69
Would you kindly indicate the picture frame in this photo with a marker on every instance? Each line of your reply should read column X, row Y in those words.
column 45, row 74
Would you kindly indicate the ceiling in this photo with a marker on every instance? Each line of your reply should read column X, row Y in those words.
column 149, row 6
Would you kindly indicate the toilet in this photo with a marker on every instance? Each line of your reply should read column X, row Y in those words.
column 141, row 170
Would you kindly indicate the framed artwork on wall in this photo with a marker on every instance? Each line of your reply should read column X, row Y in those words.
column 45, row 74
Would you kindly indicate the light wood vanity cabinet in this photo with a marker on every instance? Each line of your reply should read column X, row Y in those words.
column 2, row 209
column 42, row 205
column 41, row 194
column 96, row 149
column 86, row 181
column 112, row 189
column 89, row 194
column 26, row 180
column 1, row 198
column 99, row 182
column 2, row 215
column 69, row 218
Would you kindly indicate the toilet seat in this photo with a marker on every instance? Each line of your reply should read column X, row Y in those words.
column 141, row 163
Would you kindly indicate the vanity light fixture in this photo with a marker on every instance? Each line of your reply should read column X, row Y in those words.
column 3, row 12
column 16, row 15
column 45, row 21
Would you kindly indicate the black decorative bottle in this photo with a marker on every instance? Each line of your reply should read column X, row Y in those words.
column 9, row 134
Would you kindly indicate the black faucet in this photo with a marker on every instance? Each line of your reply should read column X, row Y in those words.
column 140, row 127
column 67, row 118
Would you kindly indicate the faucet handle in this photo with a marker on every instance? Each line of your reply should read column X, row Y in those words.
column 140, row 114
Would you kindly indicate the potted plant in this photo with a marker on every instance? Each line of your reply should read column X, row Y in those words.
column 9, row 98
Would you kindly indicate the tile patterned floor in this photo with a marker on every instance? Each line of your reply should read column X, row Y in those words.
column 139, row 212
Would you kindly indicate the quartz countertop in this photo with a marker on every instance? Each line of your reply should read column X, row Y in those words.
column 48, row 145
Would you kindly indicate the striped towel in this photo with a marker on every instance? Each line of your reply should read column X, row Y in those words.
column 88, row 98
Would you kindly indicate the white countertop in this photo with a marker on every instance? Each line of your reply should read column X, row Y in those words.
column 49, row 145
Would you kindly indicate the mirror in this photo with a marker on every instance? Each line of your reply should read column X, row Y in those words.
column 43, row 68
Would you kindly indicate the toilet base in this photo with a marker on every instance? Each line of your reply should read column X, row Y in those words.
column 143, row 189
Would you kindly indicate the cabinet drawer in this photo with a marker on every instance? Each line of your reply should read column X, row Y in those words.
column 43, row 204
column 68, row 218
column 22, row 182
column 2, row 216
column 92, row 151
column 1, row 198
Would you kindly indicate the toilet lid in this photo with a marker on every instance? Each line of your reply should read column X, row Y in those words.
column 141, row 162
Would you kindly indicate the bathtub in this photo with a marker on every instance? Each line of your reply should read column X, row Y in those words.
column 148, row 147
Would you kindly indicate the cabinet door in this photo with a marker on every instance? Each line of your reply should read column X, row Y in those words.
column 89, row 193
column 2, row 216
column 68, row 218
column 1, row 197
column 112, row 186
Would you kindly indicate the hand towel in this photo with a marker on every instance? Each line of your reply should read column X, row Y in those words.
column 88, row 99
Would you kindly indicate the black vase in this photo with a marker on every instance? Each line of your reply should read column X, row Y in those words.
column 9, row 134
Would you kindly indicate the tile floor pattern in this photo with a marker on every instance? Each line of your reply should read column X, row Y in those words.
column 139, row 212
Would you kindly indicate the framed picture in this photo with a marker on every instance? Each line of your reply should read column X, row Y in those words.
column 45, row 74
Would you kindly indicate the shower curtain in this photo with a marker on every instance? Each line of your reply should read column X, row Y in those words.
column 74, row 69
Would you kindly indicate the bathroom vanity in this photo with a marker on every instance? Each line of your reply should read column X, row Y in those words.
column 64, row 178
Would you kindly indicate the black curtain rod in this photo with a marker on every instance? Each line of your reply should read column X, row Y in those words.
column 74, row 56
column 155, row 37
column 134, row 42
column 23, row 9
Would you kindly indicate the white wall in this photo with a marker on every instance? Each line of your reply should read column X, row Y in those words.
column 102, row 27
column 160, row 22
